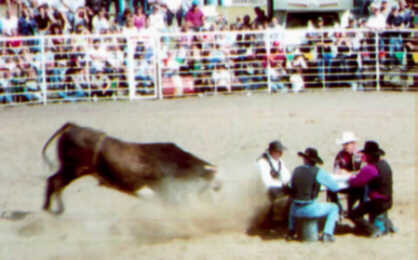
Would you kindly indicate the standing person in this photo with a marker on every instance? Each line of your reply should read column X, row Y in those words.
column 347, row 162
column 100, row 22
column 140, row 19
column 377, row 175
column 304, row 189
column 195, row 17
column 275, row 177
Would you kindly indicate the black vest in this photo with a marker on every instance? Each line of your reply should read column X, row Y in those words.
column 304, row 183
column 383, row 182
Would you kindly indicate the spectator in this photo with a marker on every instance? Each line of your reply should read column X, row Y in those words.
column 44, row 19
column 407, row 14
column 140, row 18
column 278, row 75
column 376, row 20
column 6, row 93
column 156, row 19
column 82, row 18
column 296, row 80
column 10, row 23
column 181, row 11
column 129, row 29
column 97, row 56
column 171, row 7
column 260, row 17
column 195, row 17
column 100, row 22
column 69, row 8
column 395, row 21
column 95, row 6
column 61, row 20
column 276, row 30
column 222, row 78
column 26, row 23
column 221, row 22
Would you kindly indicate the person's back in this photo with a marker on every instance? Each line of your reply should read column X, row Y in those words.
column 304, row 184
column 383, row 183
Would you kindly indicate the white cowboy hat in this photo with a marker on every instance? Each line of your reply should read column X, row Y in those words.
column 346, row 137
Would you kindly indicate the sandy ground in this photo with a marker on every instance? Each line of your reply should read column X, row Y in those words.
column 229, row 131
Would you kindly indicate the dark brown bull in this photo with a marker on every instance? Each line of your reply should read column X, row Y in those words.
column 124, row 166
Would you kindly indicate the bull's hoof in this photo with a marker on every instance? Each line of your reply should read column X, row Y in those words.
column 54, row 212
column 217, row 185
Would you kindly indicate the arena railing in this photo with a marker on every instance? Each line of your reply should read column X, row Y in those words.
column 69, row 68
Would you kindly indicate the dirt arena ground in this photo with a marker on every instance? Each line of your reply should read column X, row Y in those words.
column 229, row 131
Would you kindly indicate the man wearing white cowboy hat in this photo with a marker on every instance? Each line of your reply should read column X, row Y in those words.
column 347, row 159
column 346, row 163
column 305, row 185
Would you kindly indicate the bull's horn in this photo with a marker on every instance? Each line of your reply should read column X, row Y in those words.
column 210, row 167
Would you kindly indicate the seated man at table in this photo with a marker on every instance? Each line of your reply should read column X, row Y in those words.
column 275, row 177
column 346, row 163
column 377, row 175
column 304, row 189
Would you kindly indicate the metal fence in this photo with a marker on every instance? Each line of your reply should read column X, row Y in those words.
column 67, row 68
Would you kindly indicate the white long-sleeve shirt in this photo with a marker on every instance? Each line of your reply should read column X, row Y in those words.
column 265, row 171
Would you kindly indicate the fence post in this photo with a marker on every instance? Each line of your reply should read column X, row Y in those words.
column 43, row 69
column 377, row 61
column 157, row 66
column 130, row 65
column 269, row 39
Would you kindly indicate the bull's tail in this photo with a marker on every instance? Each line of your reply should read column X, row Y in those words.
column 55, row 135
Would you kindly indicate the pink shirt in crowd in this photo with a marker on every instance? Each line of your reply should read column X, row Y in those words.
column 195, row 17
column 139, row 21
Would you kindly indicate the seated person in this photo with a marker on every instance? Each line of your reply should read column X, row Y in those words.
column 346, row 163
column 377, row 174
column 304, row 189
column 274, row 175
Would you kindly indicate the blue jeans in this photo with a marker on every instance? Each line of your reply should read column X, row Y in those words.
column 315, row 210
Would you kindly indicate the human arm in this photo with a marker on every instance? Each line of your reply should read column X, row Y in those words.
column 326, row 179
column 366, row 174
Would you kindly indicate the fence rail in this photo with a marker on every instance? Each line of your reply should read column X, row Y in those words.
column 58, row 68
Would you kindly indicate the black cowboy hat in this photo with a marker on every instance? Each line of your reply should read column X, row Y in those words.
column 276, row 146
column 372, row 147
column 312, row 155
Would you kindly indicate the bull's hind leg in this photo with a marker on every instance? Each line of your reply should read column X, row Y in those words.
column 55, row 184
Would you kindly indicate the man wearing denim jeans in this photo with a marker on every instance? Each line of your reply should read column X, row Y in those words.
column 305, row 185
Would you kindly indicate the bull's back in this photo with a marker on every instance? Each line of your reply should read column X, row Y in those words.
column 133, row 163
column 78, row 146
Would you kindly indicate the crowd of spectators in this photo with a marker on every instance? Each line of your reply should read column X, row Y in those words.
column 234, row 55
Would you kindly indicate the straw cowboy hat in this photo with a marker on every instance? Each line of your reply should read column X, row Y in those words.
column 312, row 155
column 347, row 137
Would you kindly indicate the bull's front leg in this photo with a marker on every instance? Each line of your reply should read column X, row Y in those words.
column 55, row 185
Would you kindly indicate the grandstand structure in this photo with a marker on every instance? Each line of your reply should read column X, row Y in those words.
column 152, row 64
column 64, row 68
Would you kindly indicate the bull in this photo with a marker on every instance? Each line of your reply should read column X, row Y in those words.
column 120, row 165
